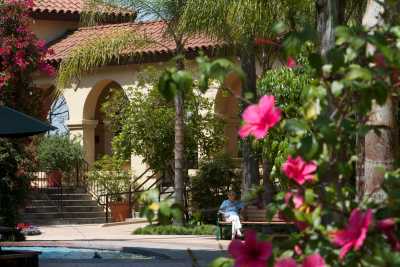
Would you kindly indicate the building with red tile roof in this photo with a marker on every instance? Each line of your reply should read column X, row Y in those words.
column 57, row 21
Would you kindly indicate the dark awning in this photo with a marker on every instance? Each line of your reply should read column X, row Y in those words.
column 17, row 124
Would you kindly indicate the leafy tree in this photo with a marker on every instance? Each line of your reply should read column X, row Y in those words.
column 143, row 125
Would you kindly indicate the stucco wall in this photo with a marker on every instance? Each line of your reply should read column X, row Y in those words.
column 50, row 29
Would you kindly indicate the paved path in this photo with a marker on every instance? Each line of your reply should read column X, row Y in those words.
column 174, row 249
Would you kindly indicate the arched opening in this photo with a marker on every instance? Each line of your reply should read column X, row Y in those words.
column 97, row 136
column 227, row 107
column 58, row 115
column 103, row 134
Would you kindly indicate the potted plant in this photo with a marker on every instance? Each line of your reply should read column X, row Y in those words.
column 109, row 174
column 58, row 155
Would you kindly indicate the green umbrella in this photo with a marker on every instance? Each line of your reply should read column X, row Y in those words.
column 17, row 124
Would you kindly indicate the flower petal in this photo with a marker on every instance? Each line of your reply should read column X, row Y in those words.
column 286, row 262
column 251, row 114
column 266, row 104
column 314, row 260
column 345, row 249
column 246, row 130
column 265, row 249
column 236, row 248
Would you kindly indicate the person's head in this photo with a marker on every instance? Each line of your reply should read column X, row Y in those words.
column 232, row 195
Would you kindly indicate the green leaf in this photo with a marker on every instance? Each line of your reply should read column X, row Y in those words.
column 309, row 196
column 183, row 80
column 296, row 126
column 337, row 88
column 166, row 85
column 357, row 72
column 222, row 262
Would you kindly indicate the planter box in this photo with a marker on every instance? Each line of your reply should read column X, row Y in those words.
column 19, row 258
column 120, row 211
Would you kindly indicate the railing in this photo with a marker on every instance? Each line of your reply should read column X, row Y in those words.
column 57, row 182
column 139, row 185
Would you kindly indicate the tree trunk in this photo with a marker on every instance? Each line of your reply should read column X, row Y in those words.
column 327, row 19
column 380, row 149
column 250, row 159
column 269, row 190
column 179, row 139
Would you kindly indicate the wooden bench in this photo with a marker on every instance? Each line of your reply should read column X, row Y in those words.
column 253, row 217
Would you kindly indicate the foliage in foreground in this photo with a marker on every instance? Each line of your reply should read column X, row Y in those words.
column 336, row 226
column 204, row 229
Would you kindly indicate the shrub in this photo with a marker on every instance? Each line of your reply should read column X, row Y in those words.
column 210, row 187
column 59, row 152
column 14, row 182
column 204, row 229
column 109, row 173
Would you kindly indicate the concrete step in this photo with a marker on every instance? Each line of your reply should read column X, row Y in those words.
column 58, row 215
column 68, row 203
column 57, row 190
column 41, row 209
column 41, row 203
column 83, row 209
column 74, row 196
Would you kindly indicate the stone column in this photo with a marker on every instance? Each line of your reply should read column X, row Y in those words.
column 85, row 131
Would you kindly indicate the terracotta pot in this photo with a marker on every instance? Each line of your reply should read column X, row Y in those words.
column 119, row 211
column 54, row 178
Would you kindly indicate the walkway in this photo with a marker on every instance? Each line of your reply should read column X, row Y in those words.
column 205, row 248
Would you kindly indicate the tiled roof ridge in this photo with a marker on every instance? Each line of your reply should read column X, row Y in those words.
column 117, row 25
column 69, row 7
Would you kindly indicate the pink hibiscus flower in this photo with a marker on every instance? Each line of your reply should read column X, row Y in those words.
column 354, row 234
column 286, row 262
column 250, row 252
column 259, row 118
column 297, row 198
column 314, row 260
column 299, row 170
column 387, row 226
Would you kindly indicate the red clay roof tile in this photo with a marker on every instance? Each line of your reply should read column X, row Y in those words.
column 69, row 7
column 160, row 44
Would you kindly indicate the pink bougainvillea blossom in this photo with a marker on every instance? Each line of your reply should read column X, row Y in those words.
column 286, row 262
column 354, row 234
column 250, row 252
column 47, row 69
column 291, row 63
column 299, row 170
column 259, row 118
column 314, row 260
column 387, row 226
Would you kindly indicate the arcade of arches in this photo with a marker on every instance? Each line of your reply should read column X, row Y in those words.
column 86, row 120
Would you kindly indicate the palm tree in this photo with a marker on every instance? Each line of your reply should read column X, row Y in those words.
column 104, row 50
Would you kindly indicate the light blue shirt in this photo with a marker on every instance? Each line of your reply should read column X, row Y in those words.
column 231, row 207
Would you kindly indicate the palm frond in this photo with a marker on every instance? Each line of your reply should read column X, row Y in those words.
column 232, row 20
column 96, row 53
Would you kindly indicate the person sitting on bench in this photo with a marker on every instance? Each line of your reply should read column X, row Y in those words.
column 230, row 210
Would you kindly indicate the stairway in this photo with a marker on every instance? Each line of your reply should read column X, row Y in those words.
column 78, row 207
